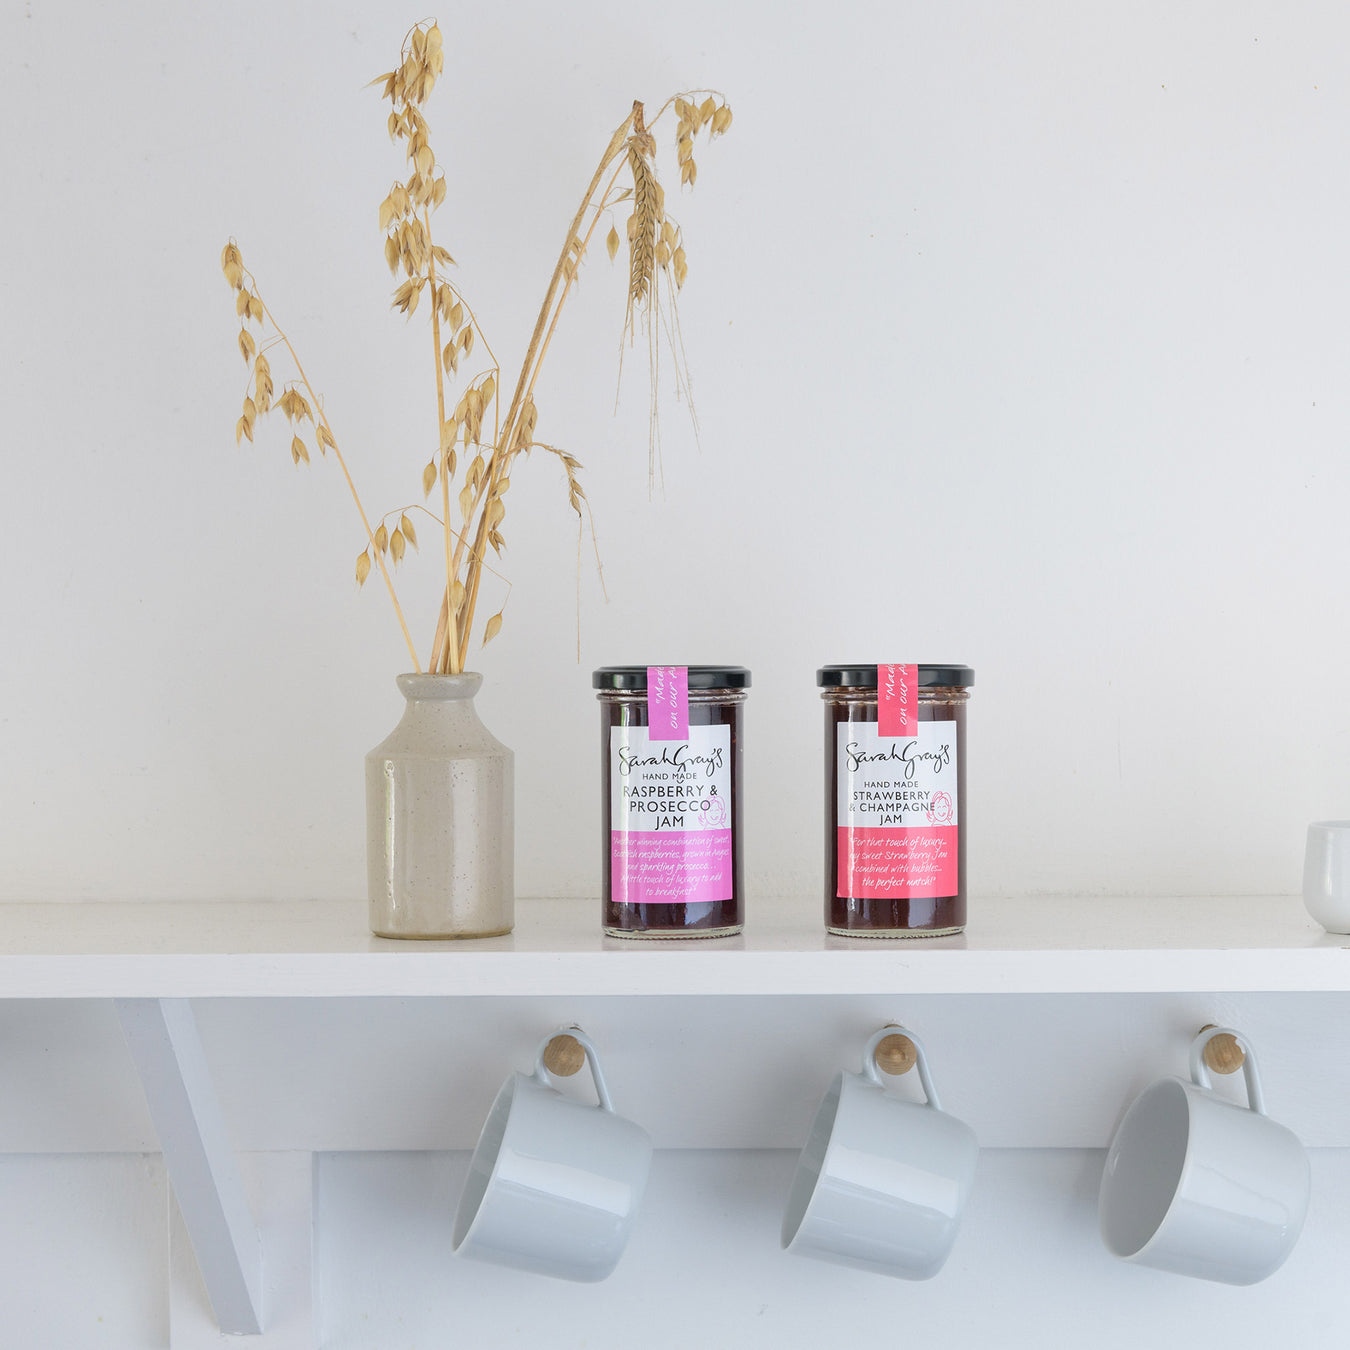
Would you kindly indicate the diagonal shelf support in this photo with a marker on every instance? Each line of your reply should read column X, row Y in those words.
column 162, row 1036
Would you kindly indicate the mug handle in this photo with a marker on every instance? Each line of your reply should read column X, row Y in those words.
column 871, row 1071
column 1200, row 1070
column 548, row 1080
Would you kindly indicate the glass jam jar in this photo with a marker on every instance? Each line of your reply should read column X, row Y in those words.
column 670, row 757
column 895, row 799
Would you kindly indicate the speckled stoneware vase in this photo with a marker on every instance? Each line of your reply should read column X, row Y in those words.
column 440, row 818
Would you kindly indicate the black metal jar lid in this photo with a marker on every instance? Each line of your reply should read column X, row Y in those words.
column 700, row 677
column 856, row 676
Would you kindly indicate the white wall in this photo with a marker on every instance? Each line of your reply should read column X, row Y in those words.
column 1018, row 337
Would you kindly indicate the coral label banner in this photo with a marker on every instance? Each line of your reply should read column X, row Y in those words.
column 898, row 700
column 670, row 868
column 902, row 863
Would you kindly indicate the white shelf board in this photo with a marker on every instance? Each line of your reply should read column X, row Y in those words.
column 252, row 949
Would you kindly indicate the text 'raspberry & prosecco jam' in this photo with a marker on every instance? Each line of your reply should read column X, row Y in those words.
column 670, row 754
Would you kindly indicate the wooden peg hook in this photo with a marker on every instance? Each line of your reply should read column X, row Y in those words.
column 896, row 1054
column 1223, row 1054
column 564, row 1055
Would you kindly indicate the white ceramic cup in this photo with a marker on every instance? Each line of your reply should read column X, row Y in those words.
column 554, row 1184
column 882, row 1181
column 1326, row 874
column 1201, row 1186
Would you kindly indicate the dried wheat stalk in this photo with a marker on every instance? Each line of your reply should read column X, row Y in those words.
column 478, row 440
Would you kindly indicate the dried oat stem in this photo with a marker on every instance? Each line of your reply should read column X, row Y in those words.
column 346, row 473
column 444, row 632
column 543, row 331
column 482, row 337
column 553, row 324
column 415, row 506
column 450, row 641
column 548, row 338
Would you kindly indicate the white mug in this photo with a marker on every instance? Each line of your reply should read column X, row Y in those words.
column 553, row 1184
column 882, row 1182
column 1201, row 1186
column 1326, row 874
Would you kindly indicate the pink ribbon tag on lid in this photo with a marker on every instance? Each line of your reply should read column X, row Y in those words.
column 897, row 700
column 668, row 703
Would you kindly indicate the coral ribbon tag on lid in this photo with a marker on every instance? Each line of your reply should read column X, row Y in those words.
column 897, row 700
column 668, row 703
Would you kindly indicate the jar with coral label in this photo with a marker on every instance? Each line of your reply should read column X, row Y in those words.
column 895, row 799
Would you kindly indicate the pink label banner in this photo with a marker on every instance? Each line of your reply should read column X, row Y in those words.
column 897, row 700
column 906, row 862
column 668, row 703
column 670, row 867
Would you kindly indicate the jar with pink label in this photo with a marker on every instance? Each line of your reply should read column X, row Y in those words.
column 895, row 799
column 670, row 756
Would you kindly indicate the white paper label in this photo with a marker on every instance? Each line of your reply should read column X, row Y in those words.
column 670, row 785
column 885, row 781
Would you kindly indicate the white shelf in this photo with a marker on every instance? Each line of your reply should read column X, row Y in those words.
column 323, row 949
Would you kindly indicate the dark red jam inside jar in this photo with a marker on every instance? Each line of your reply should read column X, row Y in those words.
column 671, row 804
column 895, row 804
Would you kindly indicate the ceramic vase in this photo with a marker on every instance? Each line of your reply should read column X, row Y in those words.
column 440, row 815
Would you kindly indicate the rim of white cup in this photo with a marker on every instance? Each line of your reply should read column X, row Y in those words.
column 1155, row 1089
column 1329, row 825
column 835, row 1091
column 463, row 1229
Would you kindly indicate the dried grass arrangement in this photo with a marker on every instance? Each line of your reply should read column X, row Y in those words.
column 479, row 435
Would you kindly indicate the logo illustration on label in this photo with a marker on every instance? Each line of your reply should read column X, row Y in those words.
column 897, row 812
column 670, row 841
column 715, row 817
column 940, row 809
